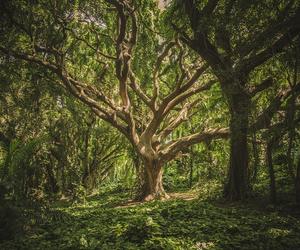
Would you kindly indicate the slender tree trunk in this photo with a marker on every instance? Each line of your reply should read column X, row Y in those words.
column 255, row 158
column 297, row 182
column 269, row 161
column 289, row 154
column 85, row 160
column 51, row 179
column 291, row 133
column 191, row 172
column 210, row 161
column 63, row 177
column 237, row 186
column 152, row 187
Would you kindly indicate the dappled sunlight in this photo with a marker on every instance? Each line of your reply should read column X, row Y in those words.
column 149, row 125
column 178, row 222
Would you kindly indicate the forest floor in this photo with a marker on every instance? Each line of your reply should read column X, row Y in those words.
column 187, row 196
column 108, row 221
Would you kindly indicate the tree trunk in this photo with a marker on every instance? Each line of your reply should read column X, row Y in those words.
column 152, row 187
column 255, row 159
column 51, row 179
column 191, row 172
column 269, row 161
column 85, row 158
column 210, row 161
column 140, row 175
column 297, row 182
column 291, row 134
column 237, row 186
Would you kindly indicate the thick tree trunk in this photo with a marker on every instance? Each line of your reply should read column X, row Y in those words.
column 152, row 187
column 237, row 186
column 140, row 176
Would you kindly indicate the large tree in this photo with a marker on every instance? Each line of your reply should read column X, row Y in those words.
column 110, row 55
column 236, row 38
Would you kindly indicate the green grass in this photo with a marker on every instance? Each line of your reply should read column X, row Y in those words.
column 101, row 223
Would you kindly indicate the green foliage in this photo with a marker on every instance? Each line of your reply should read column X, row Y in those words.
column 11, row 221
column 79, row 194
column 20, row 164
column 55, row 152
column 105, row 222
column 139, row 229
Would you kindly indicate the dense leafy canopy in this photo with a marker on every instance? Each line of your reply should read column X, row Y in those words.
column 109, row 100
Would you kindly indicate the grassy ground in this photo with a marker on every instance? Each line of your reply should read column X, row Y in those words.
column 108, row 221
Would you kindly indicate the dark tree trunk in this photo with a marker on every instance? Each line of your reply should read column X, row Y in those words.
column 152, row 187
column 269, row 161
column 85, row 159
column 63, row 177
column 289, row 155
column 85, row 178
column 210, row 161
column 291, row 133
column 51, row 179
column 237, row 186
column 191, row 172
column 255, row 158
column 297, row 183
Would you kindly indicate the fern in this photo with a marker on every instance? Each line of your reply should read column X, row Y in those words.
column 18, row 160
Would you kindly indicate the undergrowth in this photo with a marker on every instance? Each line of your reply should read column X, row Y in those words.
column 105, row 222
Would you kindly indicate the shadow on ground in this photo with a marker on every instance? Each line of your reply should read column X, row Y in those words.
column 109, row 221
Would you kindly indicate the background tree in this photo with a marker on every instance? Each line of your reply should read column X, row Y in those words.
column 236, row 38
column 47, row 146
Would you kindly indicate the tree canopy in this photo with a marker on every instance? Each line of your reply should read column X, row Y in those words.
column 149, row 97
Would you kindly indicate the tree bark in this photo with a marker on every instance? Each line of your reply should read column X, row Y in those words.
column 255, row 159
column 237, row 186
column 210, row 161
column 297, row 183
column 269, row 161
column 51, row 179
column 191, row 162
column 85, row 159
column 291, row 106
column 140, row 175
column 152, row 187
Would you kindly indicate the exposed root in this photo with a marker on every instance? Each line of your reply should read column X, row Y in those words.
column 156, row 196
column 161, row 196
